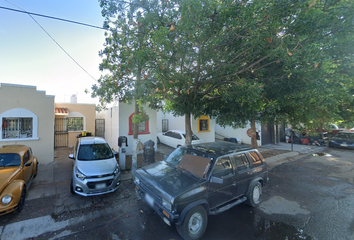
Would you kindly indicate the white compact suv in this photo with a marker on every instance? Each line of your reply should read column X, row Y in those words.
column 95, row 170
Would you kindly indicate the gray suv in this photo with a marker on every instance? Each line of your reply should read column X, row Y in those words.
column 95, row 168
column 200, row 180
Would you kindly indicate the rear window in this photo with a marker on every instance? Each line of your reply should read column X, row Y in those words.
column 255, row 159
column 10, row 160
column 94, row 152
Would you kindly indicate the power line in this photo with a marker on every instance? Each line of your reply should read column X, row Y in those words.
column 60, row 19
column 55, row 41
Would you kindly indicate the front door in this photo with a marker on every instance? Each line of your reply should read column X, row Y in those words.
column 220, row 193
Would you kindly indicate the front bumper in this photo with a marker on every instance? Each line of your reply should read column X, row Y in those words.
column 87, row 187
column 167, row 216
column 7, row 209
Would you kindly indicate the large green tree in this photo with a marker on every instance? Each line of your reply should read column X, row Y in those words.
column 238, row 61
column 126, row 55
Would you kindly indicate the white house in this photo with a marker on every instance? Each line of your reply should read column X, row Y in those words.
column 118, row 122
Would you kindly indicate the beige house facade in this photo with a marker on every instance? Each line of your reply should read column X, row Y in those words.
column 27, row 118
column 71, row 119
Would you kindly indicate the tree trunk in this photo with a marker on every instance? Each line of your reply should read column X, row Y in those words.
column 135, row 143
column 254, row 137
column 188, row 127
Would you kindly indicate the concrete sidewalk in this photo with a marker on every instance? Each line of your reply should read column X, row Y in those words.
column 299, row 151
column 54, row 178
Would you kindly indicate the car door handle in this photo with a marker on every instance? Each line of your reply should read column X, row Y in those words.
column 234, row 183
column 28, row 164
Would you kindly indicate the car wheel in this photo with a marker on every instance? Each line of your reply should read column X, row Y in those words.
column 21, row 203
column 194, row 224
column 71, row 187
column 35, row 175
column 158, row 141
column 178, row 146
column 254, row 195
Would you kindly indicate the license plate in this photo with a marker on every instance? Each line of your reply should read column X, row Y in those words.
column 149, row 199
column 344, row 145
column 100, row 185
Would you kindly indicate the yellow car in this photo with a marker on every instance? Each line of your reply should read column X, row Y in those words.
column 18, row 167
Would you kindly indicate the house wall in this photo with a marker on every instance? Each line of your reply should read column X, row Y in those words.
column 18, row 99
column 77, row 109
column 178, row 123
column 125, row 110
column 117, row 124
column 111, row 117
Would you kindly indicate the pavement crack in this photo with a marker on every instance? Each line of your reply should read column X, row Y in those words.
column 306, row 222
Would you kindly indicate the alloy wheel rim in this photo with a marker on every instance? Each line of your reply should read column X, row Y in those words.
column 195, row 223
column 256, row 194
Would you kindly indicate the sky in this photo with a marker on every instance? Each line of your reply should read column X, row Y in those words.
column 28, row 56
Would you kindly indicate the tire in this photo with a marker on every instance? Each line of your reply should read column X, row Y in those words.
column 254, row 195
column 194, row 224
column 158, row 140
column 21, row 203
column 71, row 187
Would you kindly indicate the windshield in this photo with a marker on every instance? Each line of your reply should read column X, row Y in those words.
column 10, row 159
column 94, row 152
column 188, row 160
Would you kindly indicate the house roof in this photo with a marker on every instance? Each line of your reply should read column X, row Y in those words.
column 61, row 111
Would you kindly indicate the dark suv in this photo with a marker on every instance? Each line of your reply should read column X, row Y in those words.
column 199, row 180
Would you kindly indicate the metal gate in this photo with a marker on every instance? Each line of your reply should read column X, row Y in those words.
column 164, row 125
column 100, row 128
column 267, row 134
column 61, row 132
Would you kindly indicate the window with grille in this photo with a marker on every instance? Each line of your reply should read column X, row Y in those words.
column 17, row 127
column 75, row 124
column 143, row 127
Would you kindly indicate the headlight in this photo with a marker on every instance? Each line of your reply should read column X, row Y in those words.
column 79, row 174
column 6, row 199
column 136, row 180
column 166, row 204
column 116, row 171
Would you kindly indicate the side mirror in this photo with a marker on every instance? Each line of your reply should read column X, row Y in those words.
column 71, row 156
column 216, row 180
column 115, row 152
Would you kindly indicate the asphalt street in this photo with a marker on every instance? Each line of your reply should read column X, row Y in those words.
column 308, row 197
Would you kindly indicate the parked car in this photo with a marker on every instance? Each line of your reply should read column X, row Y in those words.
column 95, row 168
column 342, row 140
column 203, row 179
column 18, row 168
column 175, row 138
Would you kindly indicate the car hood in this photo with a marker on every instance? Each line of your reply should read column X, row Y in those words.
column 6, row 175
column 168, row 179
column 97, row 167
